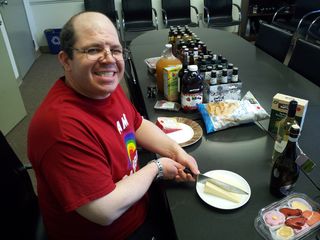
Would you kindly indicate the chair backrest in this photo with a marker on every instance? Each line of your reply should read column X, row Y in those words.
column 19, row 203
column 132, row 81
column 305, row 60
column 313, row 32
column 177, row 8
column 274, row 41
column 106, row 7
column 137, row 10
column 302, row 7
column 219, row 7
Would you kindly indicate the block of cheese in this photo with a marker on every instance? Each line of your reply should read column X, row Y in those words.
column 212, row 189
column 168, row 125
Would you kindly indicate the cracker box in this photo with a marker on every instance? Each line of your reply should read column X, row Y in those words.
column 279, row 110
column 221, row 92
column 171, row 82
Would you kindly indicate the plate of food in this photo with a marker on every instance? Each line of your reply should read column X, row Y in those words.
column 222, row 199
column 184, row 131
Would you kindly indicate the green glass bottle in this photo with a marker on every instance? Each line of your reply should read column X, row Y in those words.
column 283, row 130
column 285, row 171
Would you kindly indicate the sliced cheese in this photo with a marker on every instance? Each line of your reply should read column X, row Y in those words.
column 219, row 192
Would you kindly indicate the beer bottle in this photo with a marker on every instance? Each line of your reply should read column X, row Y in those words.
column 171, row 37
column 184, row 68
column 283, row 129
column 285, row 171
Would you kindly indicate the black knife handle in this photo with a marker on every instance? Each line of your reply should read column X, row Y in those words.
column 187, row 170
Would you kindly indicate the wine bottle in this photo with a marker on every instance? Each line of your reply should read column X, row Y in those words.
column 283, row 129
column 285, row 171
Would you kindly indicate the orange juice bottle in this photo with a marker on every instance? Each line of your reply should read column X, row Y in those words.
column 167, row 59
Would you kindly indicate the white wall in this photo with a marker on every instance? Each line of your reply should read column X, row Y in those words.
column 3, row 31
column 54, row 13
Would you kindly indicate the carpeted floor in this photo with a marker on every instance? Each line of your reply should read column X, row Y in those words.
column 37, row 82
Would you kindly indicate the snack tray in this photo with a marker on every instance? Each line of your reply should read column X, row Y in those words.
column 151, row 63
column 268, row 232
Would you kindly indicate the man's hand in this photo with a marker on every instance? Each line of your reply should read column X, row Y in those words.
column 186, row 160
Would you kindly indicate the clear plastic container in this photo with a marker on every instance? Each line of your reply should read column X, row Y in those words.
column 151, row 63
column 271, row 231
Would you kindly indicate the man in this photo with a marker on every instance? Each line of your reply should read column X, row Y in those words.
column 82, row 141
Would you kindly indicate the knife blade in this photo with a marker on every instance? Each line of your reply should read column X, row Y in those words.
column 201, row 178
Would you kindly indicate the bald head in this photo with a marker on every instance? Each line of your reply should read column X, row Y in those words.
column 80, row 22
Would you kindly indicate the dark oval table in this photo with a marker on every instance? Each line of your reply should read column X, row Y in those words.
column 246, row 149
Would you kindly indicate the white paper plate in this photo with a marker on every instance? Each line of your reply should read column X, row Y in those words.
column 190, row 133
column 183, row 135
column 233, row 179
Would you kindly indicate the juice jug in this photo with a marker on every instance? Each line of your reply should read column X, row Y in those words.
column 167, row 59
column 192, row 89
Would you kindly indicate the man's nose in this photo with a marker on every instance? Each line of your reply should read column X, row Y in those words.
column 107, row 53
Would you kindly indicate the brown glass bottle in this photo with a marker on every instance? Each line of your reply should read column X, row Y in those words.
column 184, row 69
column 285, row 171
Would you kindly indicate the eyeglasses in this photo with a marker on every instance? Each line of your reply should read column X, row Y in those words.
column 97, row 53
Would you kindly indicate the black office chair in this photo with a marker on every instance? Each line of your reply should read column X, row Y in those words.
column 178, row 12
column 136, row 97
column 137, row 17
column 106, row 7
column 313, row 33
column 274, row 41
column 19, row 203
column 303, row 13
column 218, row 13
column 305, row 60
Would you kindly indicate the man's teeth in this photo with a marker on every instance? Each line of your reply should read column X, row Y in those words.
column 105, row 74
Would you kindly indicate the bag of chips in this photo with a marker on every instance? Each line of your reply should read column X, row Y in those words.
column 229, row 113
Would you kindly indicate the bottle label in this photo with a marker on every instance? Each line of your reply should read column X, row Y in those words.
column 229, row 74
column 207, row 76
column 279, row 146
column 224, row 79
column 189, row 101
column 213, row 81
column 234, row 78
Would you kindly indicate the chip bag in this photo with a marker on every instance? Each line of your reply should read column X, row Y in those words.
column 229, row 113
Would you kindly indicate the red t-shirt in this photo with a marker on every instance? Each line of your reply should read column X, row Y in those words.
column 79, row 149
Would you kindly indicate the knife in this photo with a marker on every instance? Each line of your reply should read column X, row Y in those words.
column 225, row 186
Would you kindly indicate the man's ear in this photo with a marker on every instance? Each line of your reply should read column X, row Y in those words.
column 64, row 60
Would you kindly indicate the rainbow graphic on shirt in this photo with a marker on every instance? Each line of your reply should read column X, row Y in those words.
column 131, row 147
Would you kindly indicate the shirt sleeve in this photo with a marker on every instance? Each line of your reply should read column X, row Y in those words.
column 77, row 172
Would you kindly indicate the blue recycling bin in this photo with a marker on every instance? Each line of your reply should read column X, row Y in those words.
column 53, row 39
